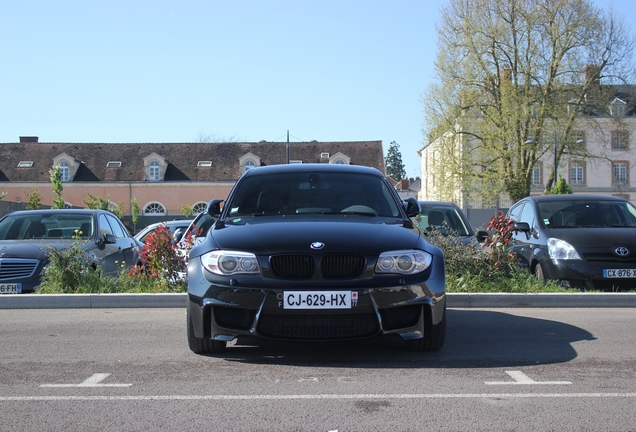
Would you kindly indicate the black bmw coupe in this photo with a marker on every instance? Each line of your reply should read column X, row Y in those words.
column 315, row 252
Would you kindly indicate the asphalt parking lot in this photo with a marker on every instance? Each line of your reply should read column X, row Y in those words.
column 455, row 300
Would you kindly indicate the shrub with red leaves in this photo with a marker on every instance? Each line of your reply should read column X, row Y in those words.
column 160, row 257
column 500, row 256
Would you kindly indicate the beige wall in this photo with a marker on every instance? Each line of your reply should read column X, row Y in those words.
column 172, row 195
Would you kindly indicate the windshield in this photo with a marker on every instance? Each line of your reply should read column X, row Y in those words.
column 443, row 219
column 572, row 214
column 313, row 193
column 45, row 226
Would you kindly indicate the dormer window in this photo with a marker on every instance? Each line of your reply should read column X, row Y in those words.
column 340, row 159
column 155, row 167
column 64, row 171
column 618, row 108
column 204, row 163
column 154, row 171
column 574, row 108
column 248, row 161
column 68, row 166
column 113, row 164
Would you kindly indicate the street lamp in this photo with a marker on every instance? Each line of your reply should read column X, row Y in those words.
column 556, row 160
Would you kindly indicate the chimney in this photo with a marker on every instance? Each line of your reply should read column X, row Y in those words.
column 506, row 74
column 28, row 139
column 404, row 185
column 592, row 75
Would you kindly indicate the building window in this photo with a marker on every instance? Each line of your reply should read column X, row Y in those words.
column 154, row 209
column 535, row 180
column 64, row 171
column 577, row 173
column 621, row 173
column 339, row 162
column 249, row 164
column 198, row 207
column 154, row 171
column 620, row 140
column 617, row 108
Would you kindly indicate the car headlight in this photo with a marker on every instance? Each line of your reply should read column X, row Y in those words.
column 405, row 262
column 561, row 250
column 227, row 263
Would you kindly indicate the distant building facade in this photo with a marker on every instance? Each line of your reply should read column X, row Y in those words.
column 162, row 177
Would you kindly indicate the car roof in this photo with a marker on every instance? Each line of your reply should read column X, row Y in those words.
column 312, row 167
column 66, row 211
column 437, row 203
column 575, row 197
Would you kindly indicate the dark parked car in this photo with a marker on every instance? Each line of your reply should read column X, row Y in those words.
column 26, row 236
column 582, row 241
column 176, row 227
column 315, row 252
column 447, row 219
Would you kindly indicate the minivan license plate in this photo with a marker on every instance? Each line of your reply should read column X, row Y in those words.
column 319, row 299
column 619, row 273
column 10, row 288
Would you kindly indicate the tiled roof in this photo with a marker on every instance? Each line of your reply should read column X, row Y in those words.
column 182, row 158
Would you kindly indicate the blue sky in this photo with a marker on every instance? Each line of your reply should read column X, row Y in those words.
column 172, row 71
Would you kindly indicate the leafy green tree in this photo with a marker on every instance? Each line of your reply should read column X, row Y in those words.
column 561, row 188
column 186, row 210
column 34, row 199
column 134, row 213
column 56, row 182
column 393, row 162
column 119, row 210
column 96, row 203
column 511, row 74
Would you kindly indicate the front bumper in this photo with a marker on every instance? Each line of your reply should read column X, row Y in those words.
column 223, row 312
column 587, row 274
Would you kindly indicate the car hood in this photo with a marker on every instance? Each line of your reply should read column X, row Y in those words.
column 359, row 235
column 596, row 237
column 31, row 249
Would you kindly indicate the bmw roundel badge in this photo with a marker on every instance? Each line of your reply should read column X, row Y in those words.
column 317, row 245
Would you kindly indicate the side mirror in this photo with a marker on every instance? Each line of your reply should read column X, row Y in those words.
column 178, row 236
column 522, row 226
column 411, row 206
column 214, row 207
column 482, row 236
column 108, row 239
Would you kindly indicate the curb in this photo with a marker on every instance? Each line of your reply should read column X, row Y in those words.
column 454, row 300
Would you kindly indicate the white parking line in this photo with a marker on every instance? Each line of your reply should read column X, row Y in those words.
column 93, row 381
column 314, row 397
column 522, row 379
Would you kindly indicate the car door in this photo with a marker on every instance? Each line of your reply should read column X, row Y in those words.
column 127, row 246
column 523, row 242
column 110, row 255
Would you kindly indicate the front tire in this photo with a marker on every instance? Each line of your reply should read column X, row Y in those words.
column 433, row 341
column 538, row 272
column 201, row 345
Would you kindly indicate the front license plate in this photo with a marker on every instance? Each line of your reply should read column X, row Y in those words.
column 319, row 299
column 10, row 288
column 619, row 273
